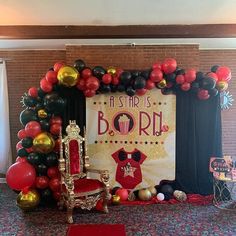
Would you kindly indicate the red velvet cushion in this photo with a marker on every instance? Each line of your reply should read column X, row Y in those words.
column 74, row 157
column 86, row 185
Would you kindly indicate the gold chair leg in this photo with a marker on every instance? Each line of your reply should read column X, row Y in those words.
column 69, row 215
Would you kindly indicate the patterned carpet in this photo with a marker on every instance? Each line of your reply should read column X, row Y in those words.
column 150, row 220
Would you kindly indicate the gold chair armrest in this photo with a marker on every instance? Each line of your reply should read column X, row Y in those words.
column 104, row 175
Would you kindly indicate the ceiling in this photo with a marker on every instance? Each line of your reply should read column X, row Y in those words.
column 111, row 12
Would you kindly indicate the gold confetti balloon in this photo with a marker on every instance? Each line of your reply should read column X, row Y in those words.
column 111, row 71
column 43, row 143
column 115, row 199
column 222, row 85
column 68, row 76
column 144, row 195
column 28, row 201
column 180, row 195
column 42, row 113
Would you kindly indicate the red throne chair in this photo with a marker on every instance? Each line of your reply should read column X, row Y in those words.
column 77, row 189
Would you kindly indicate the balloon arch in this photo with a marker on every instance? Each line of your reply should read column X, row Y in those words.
column 35, row 173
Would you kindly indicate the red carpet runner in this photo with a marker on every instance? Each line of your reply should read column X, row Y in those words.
column 96, row 229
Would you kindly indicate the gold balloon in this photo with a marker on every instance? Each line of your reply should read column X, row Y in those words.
column 115, row 199
column 28, row 201
column 111, row 70
column 180, row 195
column 42, row 113
column 131, row 197
column 153, row 191
column 68, row 76
column 162, row 84
column 43, row 143
column 222, row 85
column 144, row 195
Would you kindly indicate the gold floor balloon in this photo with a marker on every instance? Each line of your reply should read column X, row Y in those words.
column 68, row 76
column 28, row 201
column 144, row 195
column 42, row 113
column 43, row 143
column 153, row 190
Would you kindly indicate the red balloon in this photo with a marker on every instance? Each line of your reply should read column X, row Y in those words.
column 223, row 73
column 115, row 80
column 33, row 92
column 92, row 83
column 169, row 85
column 150, row 84
column 55, row 184
column 21, row 134
column 55, row 120
column 156, row 75
column 55, row 129
column 156, row 65
column 53, row 172
column 51, row 77
column 57, row 66
column 213, row 76
column 21, row 159
column 203, row 94
column 81, row 84
column 18, row 145
column 107, row 78
column 20, row 175
column 86, row 73
column 32, row 128
column 45, row 85
column 185, row 86
column 169, row 65
column 190, row 75
column 141, row 92
column 42, row 182
column 29, row 150
column 89, row 93
column 118, row 72
column 123, row 193
column 56, row 195
column 180, row 79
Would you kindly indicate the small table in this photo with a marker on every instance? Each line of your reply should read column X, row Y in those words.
column 224, row 193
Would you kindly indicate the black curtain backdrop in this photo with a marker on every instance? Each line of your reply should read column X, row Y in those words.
column 198, row 136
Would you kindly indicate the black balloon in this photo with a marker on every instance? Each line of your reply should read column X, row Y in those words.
column 199, row 76
column 41, row 93
column 166, row 188
column 79, row 65
column 113, row 88
column 46, row 196
column 28, row 115
column 145, row 74
column 208, row 83
column 121, row 87
column 22, row 152
column 195, row 87
column 29, row 101
column 41, row 169
column 179, row 71
column 130, row 91
column 170, row 77
column 39, row 106
column 167, row 195
column 54, row 103
column 139, row 82
column 34, row 158
column 113, row 191
column 125, row 77
column 51, row 159
column 44, row 125
column 27, row 142
column 105, row 88
column 98, row 72
column 213, row 92
column 135, row 74
column 214, row 68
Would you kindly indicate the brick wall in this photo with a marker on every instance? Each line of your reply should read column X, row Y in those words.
column 24, row 70
column 227, row 58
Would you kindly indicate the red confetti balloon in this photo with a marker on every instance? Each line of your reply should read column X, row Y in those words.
column 21, row 134
column 89, row 93
column 81, row 84
column 32, row 129
column 51, row 77
column 180, row 79
column 54, row 184
column 86, row 73
column 57, row 66
column 107, row 78
column 45, row 85
column 42, row 182
column 150, row 84
column 185, row 86
column 169, row 65
column 53, row 172
column 92, row 83
column 190, row 75
column 156, row 75
column 223, row 73
column 33, row 92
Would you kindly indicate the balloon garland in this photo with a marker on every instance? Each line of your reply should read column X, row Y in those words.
column 35, row 171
